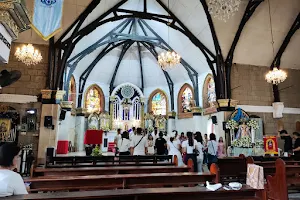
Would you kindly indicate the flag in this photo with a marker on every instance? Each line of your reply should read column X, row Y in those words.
column 47, row 17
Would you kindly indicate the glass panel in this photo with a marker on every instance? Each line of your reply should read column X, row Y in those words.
column 186, row 98
column 92, row 103
column 159, row 104
column 211, row 92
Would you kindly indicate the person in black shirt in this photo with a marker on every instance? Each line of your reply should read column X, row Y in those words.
column 160, row 144
column 288, row 142
column 296, row 149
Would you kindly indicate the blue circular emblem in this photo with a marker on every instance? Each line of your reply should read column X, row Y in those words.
column 48, row 2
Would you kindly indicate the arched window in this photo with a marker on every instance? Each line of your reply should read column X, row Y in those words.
column 185, row 101
column 158, row 103
column 72, row 91
column 209, row 92
column 94, row 99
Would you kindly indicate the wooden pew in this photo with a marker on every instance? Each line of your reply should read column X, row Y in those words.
column 232, row 169
column 83, row 171
column 284, row 176
column 87, row 161
column 190, row 193
column 122, row 181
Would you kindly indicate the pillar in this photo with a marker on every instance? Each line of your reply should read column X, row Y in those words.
column 171, row 122
column 48, row 135
column 142, row 121
column 197, row 113
column 80, row 128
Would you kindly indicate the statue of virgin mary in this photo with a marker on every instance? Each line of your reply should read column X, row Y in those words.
column 243, row 131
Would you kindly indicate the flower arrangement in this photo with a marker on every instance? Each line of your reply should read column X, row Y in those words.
column 150, row 129
column 253, row 124
column 259, row 143
column 232, row 124
column 97, row 151
column 244, row 142
column 105, row 128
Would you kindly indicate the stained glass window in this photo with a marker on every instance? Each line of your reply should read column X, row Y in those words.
column 92, row 103
column 186, row 98
column 211, row 92
column 159, row 104
column 72, row 91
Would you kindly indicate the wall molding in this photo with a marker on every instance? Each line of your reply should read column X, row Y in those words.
column 16, row 98
column 268, row 109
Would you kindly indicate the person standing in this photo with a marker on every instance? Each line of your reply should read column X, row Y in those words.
column 200, row 148
column 173, row 146
column 11, row 183
column 212, row 148
column 138, row 144
column 288, row 141
column 150, row 145
column 117, row 137
column 155, row 134
column 296, row 149
column 160, row 144
column 221, row 148
column 205, row 149
column 124, row 144
column 188, row 147
column 182, row 138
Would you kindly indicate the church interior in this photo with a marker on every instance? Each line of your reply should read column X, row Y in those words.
column 79, row 76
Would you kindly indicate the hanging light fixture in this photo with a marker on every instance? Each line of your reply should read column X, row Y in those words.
column 276, row 75
column 169, row 59
column 28, row 55
column 223, row 9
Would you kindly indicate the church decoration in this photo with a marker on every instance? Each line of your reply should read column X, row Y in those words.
column 243, row 134
column 93, row 100
column 104, row 121
column 186, row 98
column 159, row 104
column 72, row 91
column 126, row 107
column 47, row 25
column 211, row 92
column 160, row 123
column 149, row 122
column 5, row 129
column 271, row 145
column 93, row 122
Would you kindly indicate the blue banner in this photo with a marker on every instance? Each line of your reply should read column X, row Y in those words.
column 47, row 17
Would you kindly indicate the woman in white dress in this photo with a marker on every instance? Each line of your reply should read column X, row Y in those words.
column 200, row 148
column 150, row 145
column 173, row 146
column 124, row 144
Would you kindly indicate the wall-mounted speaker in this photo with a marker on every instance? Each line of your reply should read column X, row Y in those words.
column 48, row 121
column 214, row 119
column 62, row 115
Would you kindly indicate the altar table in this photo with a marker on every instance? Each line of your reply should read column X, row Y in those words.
column 93, row 137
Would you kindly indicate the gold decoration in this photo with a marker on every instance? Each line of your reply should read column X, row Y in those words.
column 66, row 104
column 60, row 94
column 46, row 94
column 224, row 103
column 9, row 24
column 172, row 114
column 196, row 110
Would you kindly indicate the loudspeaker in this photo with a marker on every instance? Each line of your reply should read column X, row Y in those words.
column 48, row 121
column 62, row 115
column 224, row 126
column 214, row 119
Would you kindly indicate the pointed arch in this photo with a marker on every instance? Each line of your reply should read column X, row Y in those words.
column 208, row 92
column 185, row 101
column 94, row 100
column 72, row 91
column 163, row 108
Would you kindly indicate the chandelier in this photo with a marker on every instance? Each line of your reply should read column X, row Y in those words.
column 223, row 9
column 126, row 104
column 276, row 76
column 28, row 55
column 168, row 60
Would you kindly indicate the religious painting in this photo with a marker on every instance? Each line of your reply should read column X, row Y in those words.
column 93, row 100
column 186, row 98
column 5, row 128
column 159, row 104
column 271, row 145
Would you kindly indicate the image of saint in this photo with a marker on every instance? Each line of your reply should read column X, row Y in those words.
column 243, row 131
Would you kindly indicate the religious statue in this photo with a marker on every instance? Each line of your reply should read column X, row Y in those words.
column 93, row 121
column 149, row 121
column 104, row 121
column 243, row 131
column 160, row 123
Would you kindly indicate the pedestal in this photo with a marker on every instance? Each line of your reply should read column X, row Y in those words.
column 171, row 122
column 80, row 129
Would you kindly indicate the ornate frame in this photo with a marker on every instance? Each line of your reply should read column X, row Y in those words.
column 182, row 115
column 73, row 90
column 102, row 99
column 151, row 97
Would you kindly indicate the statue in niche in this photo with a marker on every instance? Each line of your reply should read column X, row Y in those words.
column 104, row 121
column 149, row 118
column 243, row 131
column 93, row 121
column 160, row 123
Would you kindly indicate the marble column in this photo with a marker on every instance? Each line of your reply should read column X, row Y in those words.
column 48, row 135
column 80, row 128
column 197, row 114
column 171, row 122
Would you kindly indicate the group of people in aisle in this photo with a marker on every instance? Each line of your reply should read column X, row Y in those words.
column 291, row 143
column 184, row 146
